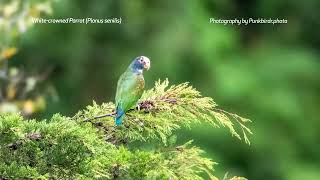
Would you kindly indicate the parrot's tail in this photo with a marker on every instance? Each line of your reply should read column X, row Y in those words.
column 119, row 120
column 119, row 116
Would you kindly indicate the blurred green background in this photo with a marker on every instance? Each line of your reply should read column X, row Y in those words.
column 267, row 73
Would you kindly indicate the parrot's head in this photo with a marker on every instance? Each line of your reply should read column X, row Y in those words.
column 140, row 63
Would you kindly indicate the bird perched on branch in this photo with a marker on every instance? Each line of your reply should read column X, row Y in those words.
column 130, row 87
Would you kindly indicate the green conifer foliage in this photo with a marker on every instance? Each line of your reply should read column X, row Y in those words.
column 90, row 146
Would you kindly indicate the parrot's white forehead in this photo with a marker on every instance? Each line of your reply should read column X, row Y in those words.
column 145, row 59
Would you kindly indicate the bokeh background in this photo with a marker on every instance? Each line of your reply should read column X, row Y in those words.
column 267, row 73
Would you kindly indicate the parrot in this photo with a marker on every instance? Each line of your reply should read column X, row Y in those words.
column 130, row 87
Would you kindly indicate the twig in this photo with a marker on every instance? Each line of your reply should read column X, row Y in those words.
column 222, row 111
column 146, row 105
column 100, row 116
column 235, row 116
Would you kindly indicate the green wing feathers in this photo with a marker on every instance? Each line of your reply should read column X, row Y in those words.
column 129, row 90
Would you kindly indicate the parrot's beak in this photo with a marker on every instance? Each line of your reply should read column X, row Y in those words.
column 146, row 63
column 147, row 66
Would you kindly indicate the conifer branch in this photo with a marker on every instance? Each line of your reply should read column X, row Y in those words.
column 163, row 109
